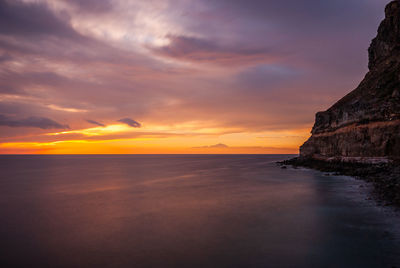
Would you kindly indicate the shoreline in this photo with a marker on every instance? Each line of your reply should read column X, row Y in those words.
column 384, row 177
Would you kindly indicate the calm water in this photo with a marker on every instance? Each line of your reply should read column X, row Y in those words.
column 187, row 211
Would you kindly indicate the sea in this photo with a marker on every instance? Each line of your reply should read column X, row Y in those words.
column 187, row 211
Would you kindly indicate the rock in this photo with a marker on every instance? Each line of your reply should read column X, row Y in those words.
column 388, row 37
column 364, row 126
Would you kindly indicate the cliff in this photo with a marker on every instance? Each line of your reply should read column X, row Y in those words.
column 364, row 125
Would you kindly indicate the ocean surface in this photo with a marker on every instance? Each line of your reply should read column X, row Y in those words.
column 187, row 211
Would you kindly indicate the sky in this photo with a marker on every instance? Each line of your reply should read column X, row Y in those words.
column 175, row 76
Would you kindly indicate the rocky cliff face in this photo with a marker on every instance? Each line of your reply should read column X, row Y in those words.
column 365, row 124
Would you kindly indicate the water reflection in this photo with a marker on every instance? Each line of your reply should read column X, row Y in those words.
column 174, row 211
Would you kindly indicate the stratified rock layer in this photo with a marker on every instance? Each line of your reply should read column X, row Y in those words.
column 365, row 124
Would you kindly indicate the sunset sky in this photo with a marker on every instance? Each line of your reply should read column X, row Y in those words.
column 175, row 76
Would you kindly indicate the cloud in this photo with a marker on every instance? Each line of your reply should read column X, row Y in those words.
column 219, row 145
column 203, row 50
column 20, row 18
column 266, row 74
column 130, row 122
column 300, row 13
column 95, row 123
column 92, row 6
column 9, row 90
column 152, row 59
column 33, row 121
column 5, row 57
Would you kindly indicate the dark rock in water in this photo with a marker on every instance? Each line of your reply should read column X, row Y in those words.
column 364, row 126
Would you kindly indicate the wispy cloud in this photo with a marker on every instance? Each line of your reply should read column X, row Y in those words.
column 33, row 19
column 33, row 121
column 202, row 50
column 95, row 123
column 92, row 6
column 130, row 122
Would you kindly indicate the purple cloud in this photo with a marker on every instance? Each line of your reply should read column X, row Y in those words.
column 18, row 18
column 92, row 6
column 33, row 121
column 130, row 122
column 203, row 50
column 5, row 57
column 95, row 123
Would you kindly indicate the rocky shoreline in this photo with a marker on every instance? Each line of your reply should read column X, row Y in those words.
column 385, row 177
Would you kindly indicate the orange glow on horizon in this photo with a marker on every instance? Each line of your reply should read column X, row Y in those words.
column 108, row 147
column 134, row 146
column 190, row 138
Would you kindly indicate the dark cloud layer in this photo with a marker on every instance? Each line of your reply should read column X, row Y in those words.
column 17, row 18
column 9, row 90
column 5, row 57
column 95, row 123
column 92, row 6
column 130, row 122
column 203, row 50
column 33, row 121
column 309, row 15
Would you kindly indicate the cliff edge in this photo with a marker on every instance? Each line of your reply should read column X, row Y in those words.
column 364, row 126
